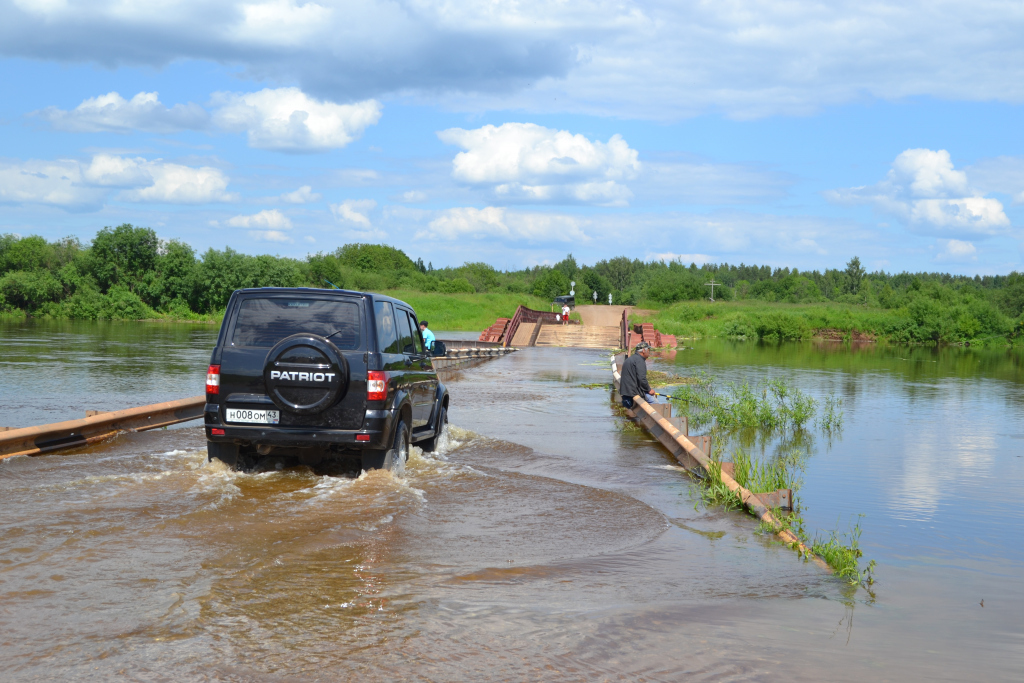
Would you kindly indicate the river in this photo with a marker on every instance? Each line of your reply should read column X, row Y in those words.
column 545, row 541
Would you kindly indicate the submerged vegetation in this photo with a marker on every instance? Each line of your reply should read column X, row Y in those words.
column 772, row 414
column 128, row 272
column 771, row 405
column 843, row 555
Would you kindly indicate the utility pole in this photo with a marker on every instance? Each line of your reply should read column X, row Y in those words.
column 712, row 285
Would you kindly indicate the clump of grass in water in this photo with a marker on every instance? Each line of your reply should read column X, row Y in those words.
column 656, row 378
column 766, row 476
column 772, row 405
column 751, row 474
column 768, row 408
column 831, row 417
column 844, row 554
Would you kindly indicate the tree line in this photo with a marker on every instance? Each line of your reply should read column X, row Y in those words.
column 128, row 272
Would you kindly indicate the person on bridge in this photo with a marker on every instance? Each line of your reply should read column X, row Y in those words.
column 428, row 336
column 565, row 314
column 633, row 381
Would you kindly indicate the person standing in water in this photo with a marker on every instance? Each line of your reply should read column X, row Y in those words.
column 428, row 336
column 633, row 381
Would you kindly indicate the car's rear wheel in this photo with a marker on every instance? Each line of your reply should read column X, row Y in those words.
column 395, row 457
column 431, row 444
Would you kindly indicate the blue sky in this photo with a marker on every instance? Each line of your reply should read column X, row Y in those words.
column 512, row 132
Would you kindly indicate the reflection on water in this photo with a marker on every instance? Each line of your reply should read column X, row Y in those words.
column 542, row 542
column 56, row 370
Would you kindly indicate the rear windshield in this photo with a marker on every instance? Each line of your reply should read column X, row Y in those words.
column 264, row 322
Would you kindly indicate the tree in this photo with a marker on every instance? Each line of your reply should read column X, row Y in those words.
column 374, row 257
column 551, row 284
column 27, row 253
column 620, row 270
column 854, row 274
column 123, row 255
column 568, row 267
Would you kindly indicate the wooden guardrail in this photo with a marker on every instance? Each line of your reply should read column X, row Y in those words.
column 75, row 433
column 697, row 462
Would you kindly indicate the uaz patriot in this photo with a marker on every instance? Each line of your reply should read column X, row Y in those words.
column 323, row 378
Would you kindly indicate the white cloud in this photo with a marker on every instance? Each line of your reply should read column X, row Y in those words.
column 655, row 60
column 303, row 195
column 956, row 249
column 109, row 170
column 269, row 236
column 113, row 113
column 288, row 120
column 79, row 186
column 282, row 23
column 413, row 196
column 270, row 219
column 354, row 211
column 498, row 222
column 925, row 191
column 54, row 183
column 177, row 184
column 531, row 163
column 668, row 257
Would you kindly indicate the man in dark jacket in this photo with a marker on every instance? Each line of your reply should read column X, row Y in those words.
column 633, row 381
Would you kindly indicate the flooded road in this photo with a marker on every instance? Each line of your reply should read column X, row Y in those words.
column 545, row 541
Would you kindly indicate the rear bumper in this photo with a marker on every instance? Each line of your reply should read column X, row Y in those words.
column 376, row 426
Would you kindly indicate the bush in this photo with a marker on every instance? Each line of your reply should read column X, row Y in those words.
column 123, row 304
column 30, row 289
column 458, row 285
column 776, row 326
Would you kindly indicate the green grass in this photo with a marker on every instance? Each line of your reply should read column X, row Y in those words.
column 771, row 405
column 923, row 321
column 843, row 554
column 766, row 476
column 765, row 412
column 474, row 312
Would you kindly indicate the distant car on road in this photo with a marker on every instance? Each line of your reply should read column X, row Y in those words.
column 568, row 300
column 312, row 375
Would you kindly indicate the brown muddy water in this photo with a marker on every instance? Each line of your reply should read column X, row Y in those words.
column 543, row 542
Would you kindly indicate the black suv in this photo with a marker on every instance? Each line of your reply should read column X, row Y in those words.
column 329, row 378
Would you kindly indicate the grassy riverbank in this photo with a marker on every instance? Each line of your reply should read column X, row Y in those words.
column 921, row 320
column 129, row 273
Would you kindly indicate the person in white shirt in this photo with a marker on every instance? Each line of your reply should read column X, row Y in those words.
column 565, row 314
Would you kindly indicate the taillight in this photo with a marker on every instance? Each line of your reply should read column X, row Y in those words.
column 213, row 380
column 376, row 385
column 216, row 432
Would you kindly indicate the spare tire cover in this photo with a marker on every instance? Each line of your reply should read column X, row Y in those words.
column 305, row 373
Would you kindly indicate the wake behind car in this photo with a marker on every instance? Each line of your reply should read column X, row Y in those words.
column 330, row 378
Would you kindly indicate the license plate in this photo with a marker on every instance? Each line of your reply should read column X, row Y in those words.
column 265, row 417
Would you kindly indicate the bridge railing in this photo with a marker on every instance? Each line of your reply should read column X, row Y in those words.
column 101, row 425
column 513, row 326
column 528, row 315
